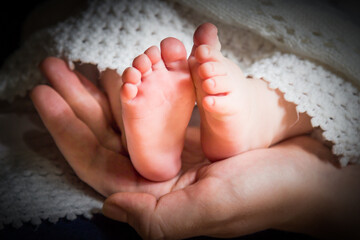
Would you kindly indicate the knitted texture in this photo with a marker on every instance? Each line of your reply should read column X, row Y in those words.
column 308, row 28
column 36, row 183
column 109, row 34
column 316, row 92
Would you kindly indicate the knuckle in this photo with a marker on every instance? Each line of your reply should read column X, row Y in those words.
column 110, row 141
column 79, row 102
column 59, row 113
column 104, row 137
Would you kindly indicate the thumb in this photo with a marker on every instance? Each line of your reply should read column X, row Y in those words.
column 132, row 208
column 173, row 216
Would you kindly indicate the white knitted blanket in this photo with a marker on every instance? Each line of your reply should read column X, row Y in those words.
column 309, row 53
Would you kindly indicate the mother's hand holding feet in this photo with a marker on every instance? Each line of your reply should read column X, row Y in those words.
column 290, row 186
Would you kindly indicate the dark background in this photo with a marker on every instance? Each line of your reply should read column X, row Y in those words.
column 14, row 13
column 12, row 16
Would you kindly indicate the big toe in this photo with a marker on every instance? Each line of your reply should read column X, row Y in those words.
column 173, row 53
column 207, row 33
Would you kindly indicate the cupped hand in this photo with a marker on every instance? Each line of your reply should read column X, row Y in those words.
column 290, row 186
column 247, row 193
column 78, row 116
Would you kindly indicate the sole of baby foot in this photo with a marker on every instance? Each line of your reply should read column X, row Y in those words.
column 157, row 98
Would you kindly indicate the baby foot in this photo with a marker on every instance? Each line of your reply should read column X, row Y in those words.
column 237, row 113
column 157, row 99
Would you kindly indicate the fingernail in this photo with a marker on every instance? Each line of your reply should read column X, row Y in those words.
column 115, row 212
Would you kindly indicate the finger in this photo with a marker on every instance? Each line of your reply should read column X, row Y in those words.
column 71, row 135
column 97, row 94
column 106, row 171
column 86, row 108
column 111, row 82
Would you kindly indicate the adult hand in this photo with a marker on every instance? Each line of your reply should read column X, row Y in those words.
column 291, row 186
column 78, row 116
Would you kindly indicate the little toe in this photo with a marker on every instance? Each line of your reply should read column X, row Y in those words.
column 217, row 85
column 131, row 75
column 211, row 69
column 205, row 53
column 154, row 55
column 173, row 53
column 142, row 63
column 222, row 104
column 128, row 92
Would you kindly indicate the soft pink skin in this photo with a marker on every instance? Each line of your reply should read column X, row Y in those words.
column 237, row 113
column 157, row 101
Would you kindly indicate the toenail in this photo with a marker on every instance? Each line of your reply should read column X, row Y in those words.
column 212, row 82
column 206, row 51
column 212, row 101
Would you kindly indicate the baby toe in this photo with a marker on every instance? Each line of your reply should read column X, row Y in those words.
column 128, row 92
column 131, row 75
column 222, row 104
column 154, row 55
column 206, row 53
column 217, row 85
column 207, row 33
column 173, row 53
column 142, row 63
column 211, row 69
